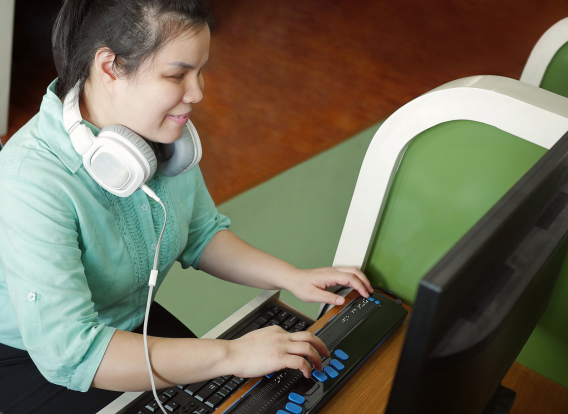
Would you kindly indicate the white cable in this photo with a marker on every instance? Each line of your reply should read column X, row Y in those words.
column 152, row 283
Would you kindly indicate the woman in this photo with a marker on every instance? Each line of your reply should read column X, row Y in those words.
column 75, row 259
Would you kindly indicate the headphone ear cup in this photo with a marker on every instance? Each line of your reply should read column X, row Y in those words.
column 144, row 149
column 185, row 153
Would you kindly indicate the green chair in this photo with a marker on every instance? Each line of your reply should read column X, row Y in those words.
column 547, row 66
column 444, row 160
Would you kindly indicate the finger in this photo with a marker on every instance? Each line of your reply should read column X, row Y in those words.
column 297, row 362
column 312, row 340
column 319, row 294
column 304, row 349
column 360, row 275
column 349, row 279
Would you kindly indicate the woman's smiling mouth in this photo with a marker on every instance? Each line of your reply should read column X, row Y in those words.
column 179, row 119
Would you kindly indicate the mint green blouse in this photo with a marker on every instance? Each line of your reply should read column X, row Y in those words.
column 75, row 259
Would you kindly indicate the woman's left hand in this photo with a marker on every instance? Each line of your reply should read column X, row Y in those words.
column 309, row 285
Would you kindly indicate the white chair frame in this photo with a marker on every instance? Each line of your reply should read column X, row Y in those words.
column 543, row 52
column 531, row 113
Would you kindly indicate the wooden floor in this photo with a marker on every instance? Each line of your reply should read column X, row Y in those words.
column 287, row 80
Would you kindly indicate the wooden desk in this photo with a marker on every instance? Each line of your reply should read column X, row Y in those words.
column 367, row 392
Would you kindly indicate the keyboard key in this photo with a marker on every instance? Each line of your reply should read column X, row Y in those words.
column 267, row 315
column 185, row 409
column 273, row 322
column 275, row 310
column 206, row 391
column 285, row 327
column 227, row 377
column 331, row 372
column 171, row 392
column 336, row 364
column 215, row 400
column 282, row 316
column 296, row 398
column 180, row 387
column 320, row 376
column 301, row 325
column 232, row 385
column 164, row 398
column 293, row 408
column 341, row 355
column 238, row 380
column 219, row 381
column 291, row 321
column 201, row 410
column 152, row 406
column 172, row 406
column 261, row 321
column 294, row 330
column 224, row 391
column 193, row 388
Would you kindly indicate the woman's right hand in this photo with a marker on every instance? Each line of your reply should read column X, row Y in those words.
column 271, row 349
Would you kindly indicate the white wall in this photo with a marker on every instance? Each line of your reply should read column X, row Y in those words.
column 6, row 29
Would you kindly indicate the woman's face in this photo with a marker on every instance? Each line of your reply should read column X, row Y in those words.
column 157, row 101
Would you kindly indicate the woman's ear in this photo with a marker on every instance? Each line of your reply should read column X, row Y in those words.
column 104, row 66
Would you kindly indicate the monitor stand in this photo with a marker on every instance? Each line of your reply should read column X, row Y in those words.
column 501, row 402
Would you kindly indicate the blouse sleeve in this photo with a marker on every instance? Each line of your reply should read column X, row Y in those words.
column 41, row 260
column 206, row 221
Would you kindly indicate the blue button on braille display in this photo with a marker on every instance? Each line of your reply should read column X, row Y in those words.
column 377, row 302
column 293, row 408
column 331, row 372
column 336, row 364
column 269, row 375
column 341, row 355
column 320, row 376
column 282, row 412
column 296, row 398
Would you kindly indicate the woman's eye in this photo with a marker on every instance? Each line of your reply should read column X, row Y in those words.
column 178, row 77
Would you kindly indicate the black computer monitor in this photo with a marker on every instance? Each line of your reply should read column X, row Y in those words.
column 479, row 304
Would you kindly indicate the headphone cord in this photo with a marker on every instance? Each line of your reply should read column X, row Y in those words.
column 151, row 284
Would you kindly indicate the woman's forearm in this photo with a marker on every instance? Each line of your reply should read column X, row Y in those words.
column 174, row 361
column 232, row 259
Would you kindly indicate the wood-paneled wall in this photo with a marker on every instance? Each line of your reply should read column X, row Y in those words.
column 287, row 80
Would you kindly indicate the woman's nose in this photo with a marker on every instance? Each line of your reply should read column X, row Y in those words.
column 194, row 93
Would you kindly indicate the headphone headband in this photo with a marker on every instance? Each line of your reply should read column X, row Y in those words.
column 81, row 136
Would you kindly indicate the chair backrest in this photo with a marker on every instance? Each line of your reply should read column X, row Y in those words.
column 443, row 160
column 547, row 65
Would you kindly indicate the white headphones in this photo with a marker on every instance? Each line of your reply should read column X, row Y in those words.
column 121, row 161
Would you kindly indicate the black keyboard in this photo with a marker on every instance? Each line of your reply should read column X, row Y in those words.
column 206, row 396
column 352, row 337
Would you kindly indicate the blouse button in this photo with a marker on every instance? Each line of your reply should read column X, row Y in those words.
column 144, row 207
column 31, row 297
column 153, row 246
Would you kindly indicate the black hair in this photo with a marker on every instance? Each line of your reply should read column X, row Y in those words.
column 134, row 30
